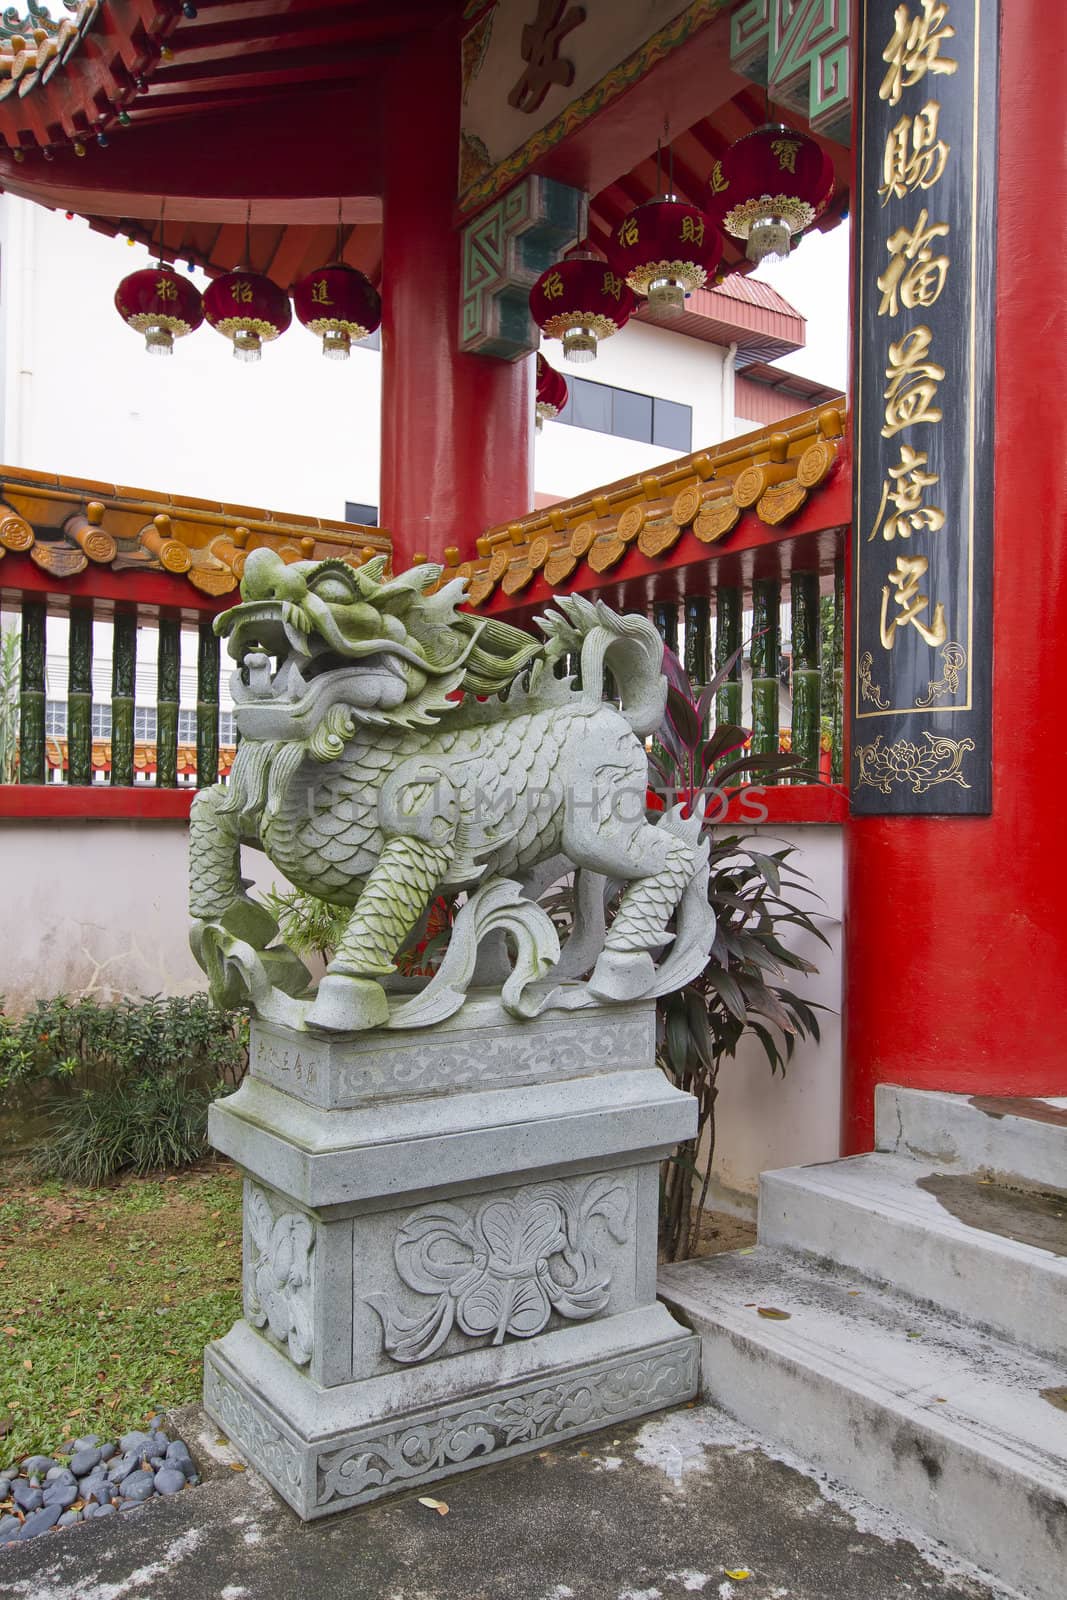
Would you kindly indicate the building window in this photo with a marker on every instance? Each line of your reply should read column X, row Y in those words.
column 55, row 719
column 101, row 722
column 356, row 511
column 227, row 728
column 629, row 415
column 144, row 722
column 186, row 727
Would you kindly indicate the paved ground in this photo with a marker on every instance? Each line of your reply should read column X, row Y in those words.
column 658, row 1511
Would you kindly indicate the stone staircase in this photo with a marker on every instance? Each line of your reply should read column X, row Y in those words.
column 923, row 1357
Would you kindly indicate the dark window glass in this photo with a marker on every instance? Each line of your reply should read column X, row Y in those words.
column 672, row 425
column 355, row 511
column 590, row 405
column 632, row 415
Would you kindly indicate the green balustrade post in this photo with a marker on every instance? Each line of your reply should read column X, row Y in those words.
column 729, row 609
column 698, row 639
column 32, row 694
column 766, row 655
column 807, row 677
column 123, row 681
column 80, row 697
column 837, row 759
column 665, row 616
column 207, row 707
column 168, row 694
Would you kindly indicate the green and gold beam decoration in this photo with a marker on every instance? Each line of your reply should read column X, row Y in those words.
column 921, row 723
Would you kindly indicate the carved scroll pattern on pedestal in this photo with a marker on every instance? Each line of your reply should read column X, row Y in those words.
column 505, row 1270
column 580, row 1401
column 278, row 1274
column 258, row 1438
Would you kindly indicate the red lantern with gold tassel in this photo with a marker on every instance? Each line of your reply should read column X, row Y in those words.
column 552, row 392
column 249, row 309
column 161, row 304
column 770, row 186
column 339, row 303
column 665, row 249
column 580, row 301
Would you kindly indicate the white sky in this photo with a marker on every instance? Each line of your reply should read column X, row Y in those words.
column 815, row 280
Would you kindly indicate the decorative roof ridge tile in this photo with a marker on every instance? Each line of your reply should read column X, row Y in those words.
column 66, row 525
column 770, row 470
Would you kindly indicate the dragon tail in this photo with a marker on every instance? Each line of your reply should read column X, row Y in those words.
column 629, row 647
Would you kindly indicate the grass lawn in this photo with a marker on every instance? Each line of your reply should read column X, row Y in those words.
column 107, row 1298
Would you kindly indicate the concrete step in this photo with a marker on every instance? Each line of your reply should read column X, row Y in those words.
column 958, row 1433
column 992, row 1255
column 1011, row 1139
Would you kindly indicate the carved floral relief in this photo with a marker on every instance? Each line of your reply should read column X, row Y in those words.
column 278, row 1274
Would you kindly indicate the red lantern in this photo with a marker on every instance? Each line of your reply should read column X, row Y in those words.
column 249, row 309
column 580, row 301
column 161, row 304
column 666, row 249
column 340, row 304
column 769, row 187
column 552, row 391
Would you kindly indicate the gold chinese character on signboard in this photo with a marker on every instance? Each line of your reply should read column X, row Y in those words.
column 167, row 289
column 786, row 151
column 718, row 180
column 541, row 40
column 914, row 157
column 905, row 580
column 319, row 293
column 613, row 285
column 241, row 291
column 904, row 489
column 915, row 48
column 914, row 276
column 552, row 286
column 693, row 230
column 629, row 232
column 913, row 382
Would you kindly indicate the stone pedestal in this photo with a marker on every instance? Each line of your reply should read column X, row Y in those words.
column 450, row 1247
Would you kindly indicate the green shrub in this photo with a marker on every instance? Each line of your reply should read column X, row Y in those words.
column 122, row 1087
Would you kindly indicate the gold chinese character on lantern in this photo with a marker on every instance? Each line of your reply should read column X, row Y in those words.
column 718, row 179
column 913, row 381
column 693, row 230
column 241, row 291
column 914, row 276
column 905, row 580
column 166, row 289
column 320, row 292
column 786, row 151
column 552, row 286
column 629, row 232
column 914, row 156
column 612, row 285
column 915, row 48
column 904, row 490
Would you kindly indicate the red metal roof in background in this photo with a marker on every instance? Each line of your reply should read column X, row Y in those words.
column 738, row 311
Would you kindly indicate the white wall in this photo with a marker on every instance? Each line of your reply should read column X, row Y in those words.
column 764, row 1122
column 649, row 360
column 293, row 432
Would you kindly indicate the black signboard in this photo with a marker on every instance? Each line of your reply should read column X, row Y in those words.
column 922, row 571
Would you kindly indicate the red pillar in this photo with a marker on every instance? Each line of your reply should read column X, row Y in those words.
column 956, row 935
column 457, row 430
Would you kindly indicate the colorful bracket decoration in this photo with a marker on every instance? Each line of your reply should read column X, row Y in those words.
column 505, row 250
column 800, row 50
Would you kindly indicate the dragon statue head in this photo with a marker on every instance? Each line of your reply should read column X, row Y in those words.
column 313, row 639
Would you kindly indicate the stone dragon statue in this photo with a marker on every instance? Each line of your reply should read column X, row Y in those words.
column 393, row 748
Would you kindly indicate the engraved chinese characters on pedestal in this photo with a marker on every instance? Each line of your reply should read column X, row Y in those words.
column 505, row 1270
column 278, row 1273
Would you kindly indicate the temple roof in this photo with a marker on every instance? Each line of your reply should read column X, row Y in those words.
column 68, row 525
